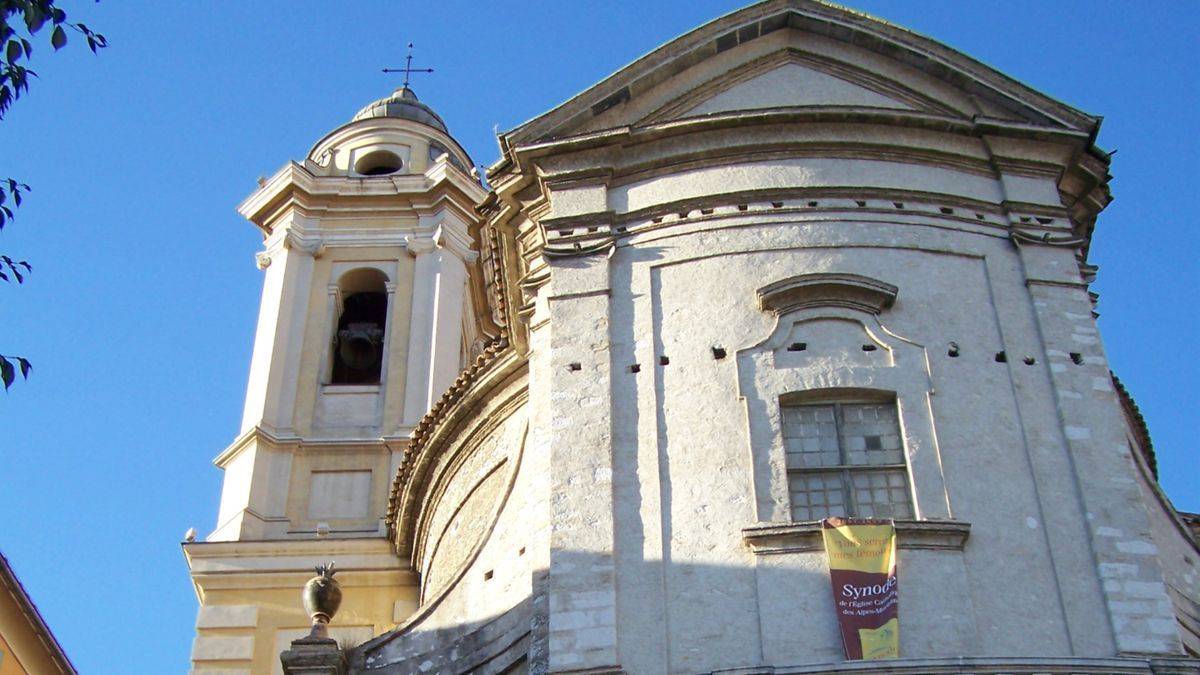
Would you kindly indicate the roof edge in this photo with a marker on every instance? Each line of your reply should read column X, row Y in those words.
column 9, row 579
column 865, row 30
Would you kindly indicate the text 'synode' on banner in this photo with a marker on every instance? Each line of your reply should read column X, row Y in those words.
column 862, row 569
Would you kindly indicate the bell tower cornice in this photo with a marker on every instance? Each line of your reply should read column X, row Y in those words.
column 296, row 188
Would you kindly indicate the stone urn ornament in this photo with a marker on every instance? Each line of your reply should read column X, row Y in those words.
column 322, row 597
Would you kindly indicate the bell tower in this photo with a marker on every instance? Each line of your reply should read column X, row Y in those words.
column 370, row 310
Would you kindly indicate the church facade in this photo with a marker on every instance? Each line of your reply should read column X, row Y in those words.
column 796, row 263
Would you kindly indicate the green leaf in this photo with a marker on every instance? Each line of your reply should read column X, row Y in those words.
column 25, row 365
column 7, row 373
column 59, row 38
column 34, row 18
column 12, row 51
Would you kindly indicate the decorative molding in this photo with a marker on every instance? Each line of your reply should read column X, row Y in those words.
column 441, row 238
column 496, row 363
column 295, row 186
column 297, row 240
column 1054, row 282
column 419, row 245
column 988, row 665
column 804, row 537
column 456, row 243
column 262, row 260
column 827, row 290
column 1020, row 236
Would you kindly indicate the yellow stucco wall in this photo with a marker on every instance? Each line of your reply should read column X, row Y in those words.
column 280, row 611
column 9, row 665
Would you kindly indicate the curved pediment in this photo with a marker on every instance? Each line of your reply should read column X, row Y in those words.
column 799, row 54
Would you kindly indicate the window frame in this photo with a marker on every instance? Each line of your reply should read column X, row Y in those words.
column 844, row 469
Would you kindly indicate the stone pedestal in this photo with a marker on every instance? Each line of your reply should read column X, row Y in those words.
column 313, row 655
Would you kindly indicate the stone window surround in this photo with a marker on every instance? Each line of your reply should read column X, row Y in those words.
column 762, row 382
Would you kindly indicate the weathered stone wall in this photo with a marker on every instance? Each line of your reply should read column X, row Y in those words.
column 1179, row 555
column 689, row 472
column 464, row 508
column 639, row 230
column 481, row 543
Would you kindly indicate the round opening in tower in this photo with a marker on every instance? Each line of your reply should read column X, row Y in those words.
column 378, row 163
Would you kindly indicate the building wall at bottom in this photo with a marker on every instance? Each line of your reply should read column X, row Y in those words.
column 246, row 618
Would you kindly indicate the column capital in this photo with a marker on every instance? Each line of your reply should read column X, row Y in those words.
column 445, row 239
column 308, row 245
column 417, row 245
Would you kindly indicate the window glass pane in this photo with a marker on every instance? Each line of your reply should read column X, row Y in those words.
column 871, row 433
column 816, row 495
column 810, row 436
column 881, row 494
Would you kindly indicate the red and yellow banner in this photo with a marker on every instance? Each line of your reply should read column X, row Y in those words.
column 862, row 568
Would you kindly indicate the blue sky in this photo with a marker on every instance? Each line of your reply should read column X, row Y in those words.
column 140, row 313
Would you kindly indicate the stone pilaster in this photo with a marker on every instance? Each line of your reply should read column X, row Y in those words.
column 581, row 582
column 1097, row 440
column 435, row 330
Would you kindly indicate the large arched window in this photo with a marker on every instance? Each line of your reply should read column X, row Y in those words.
column 358, row 339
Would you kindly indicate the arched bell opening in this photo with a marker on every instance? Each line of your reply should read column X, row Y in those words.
column 358, row 348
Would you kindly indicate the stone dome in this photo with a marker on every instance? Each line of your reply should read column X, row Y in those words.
column 402, row 104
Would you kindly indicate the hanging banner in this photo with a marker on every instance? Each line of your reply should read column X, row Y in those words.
column 862, row 568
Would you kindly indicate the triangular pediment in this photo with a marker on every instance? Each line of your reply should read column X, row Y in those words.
column 792, row 84
column 799, row 54
column 793, row 79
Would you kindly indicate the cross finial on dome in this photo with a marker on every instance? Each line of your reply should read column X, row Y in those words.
column 408, row 70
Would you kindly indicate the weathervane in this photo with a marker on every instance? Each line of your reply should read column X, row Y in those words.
column 408, row 70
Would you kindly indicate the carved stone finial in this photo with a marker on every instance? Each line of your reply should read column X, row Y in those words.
column 322, row 596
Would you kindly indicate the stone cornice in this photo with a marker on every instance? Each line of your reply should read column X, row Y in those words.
column 803, row 537
column 294, row 183
column 261, row 434
column 975, row 127
column 988, row 665
column 1022, row 236
column 288, row 563
column 282, row 552
column 827, row 289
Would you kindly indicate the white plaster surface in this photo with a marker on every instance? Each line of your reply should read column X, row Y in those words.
column 794, row 85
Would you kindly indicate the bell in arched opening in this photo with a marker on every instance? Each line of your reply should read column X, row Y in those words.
column 358, row 342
